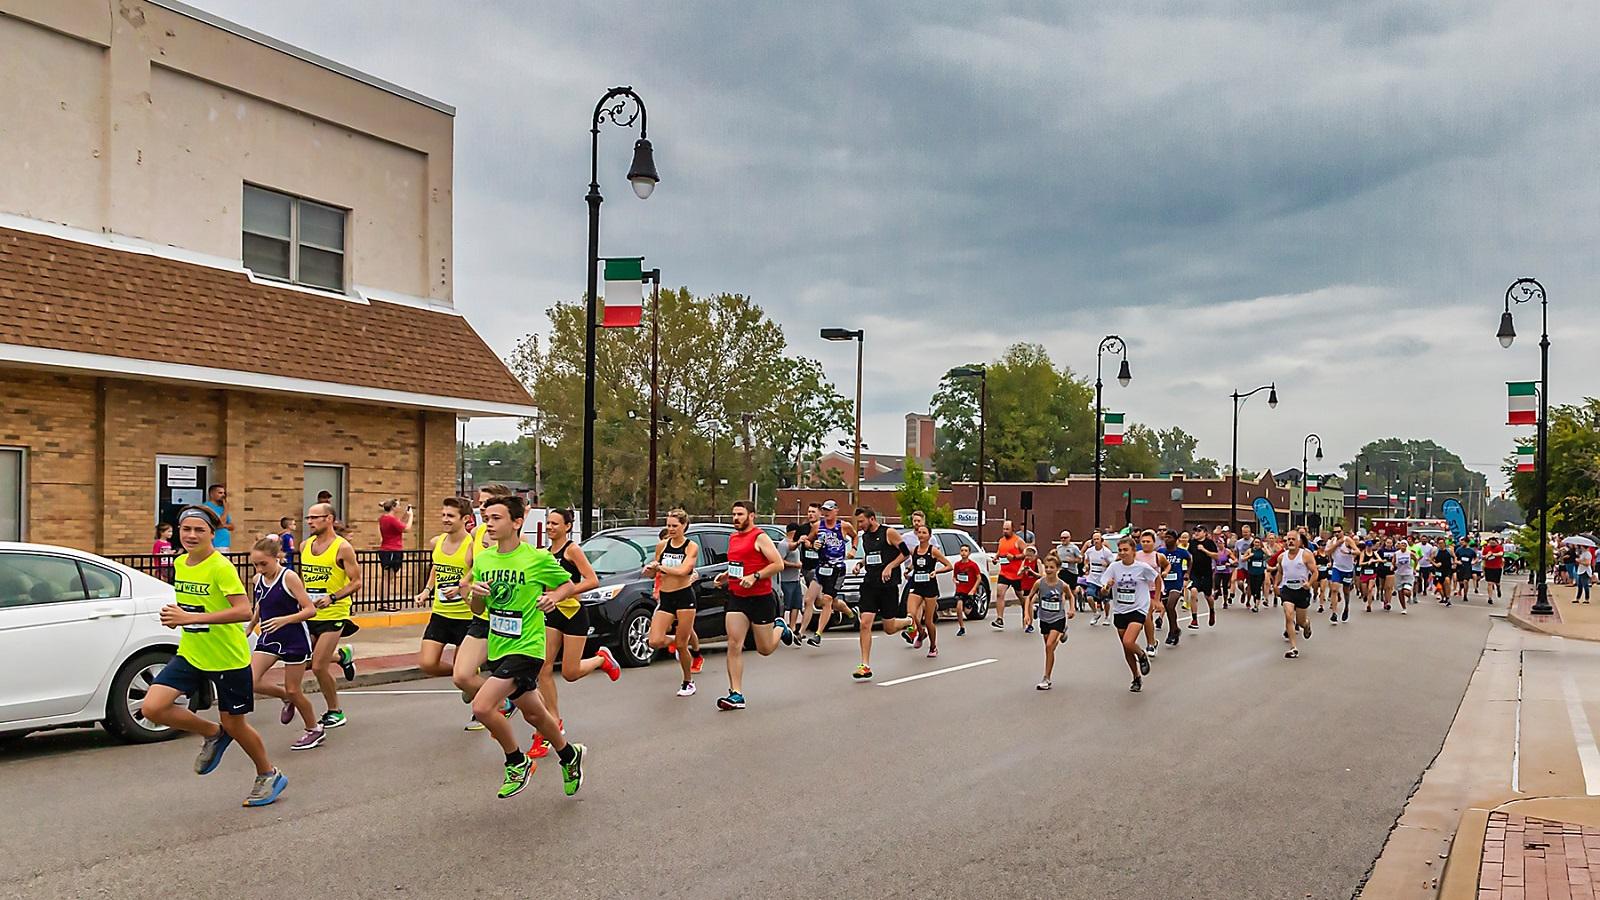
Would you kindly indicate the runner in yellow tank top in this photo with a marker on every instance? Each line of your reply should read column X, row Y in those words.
column 473, row 651
column 329, row 571
column 452, row 617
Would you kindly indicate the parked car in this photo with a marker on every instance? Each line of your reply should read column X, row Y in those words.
column 950, row 541
column 80, row 642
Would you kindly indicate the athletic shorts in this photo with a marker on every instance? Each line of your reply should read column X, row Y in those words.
column 673, row 601
column 882, row 600
column 1015, row 583
column 1046, row 627
column 762, row 610
column 521, row 671
column 1403, row 582
column 479, row 628
column 1300, row 597
column 830, row 582
column 576, row 625
column 1202, row 582
column 389, row 560
column 1173, row 589
column 1340, row 576
column 794, row 596
column 1124, row 619
column 1464, row 572
column 1071, row 578
column 320, row 627
column 929, row 588
column 291, row 643
column 1492, row 575
column 236, row 694
column 1091, row 590
column 445, row 630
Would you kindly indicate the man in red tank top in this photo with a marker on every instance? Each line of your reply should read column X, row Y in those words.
column 752, row 561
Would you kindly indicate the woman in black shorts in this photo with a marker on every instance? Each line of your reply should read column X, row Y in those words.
column 674, row 563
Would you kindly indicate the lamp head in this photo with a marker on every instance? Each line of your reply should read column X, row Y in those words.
column 1319, row 451
column 1124, row 375
column 1272, row 398
column 1507, row 332
column 966, row 372
column 642, row 174
column 839, row 334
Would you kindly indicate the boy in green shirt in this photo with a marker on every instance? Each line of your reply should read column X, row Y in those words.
column 516, row 584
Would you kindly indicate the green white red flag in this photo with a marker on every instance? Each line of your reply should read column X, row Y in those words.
column 1522, row 400
column 1525, row 458
column 1113, row 428
column 624, row 296
column 1311, row 485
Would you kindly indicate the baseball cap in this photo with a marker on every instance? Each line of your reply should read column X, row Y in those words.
column 829, row 504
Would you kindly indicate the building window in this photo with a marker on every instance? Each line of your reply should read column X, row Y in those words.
column 326, row 479
column 12, row 494
column 293, row 239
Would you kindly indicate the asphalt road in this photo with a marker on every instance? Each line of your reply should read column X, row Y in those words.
column 1236, row 774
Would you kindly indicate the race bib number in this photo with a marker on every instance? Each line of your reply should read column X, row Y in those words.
column 874, row 559
column 505, row 624
column 194, row 608
column 1174, row 577
column 1002, row 560
column 671, row 560
column 963, row 578
column 825, row 571
column 439, row 597
column 1257, row 565
column 735, row 570
column 1294, row 585
column 921, row 577
column 1050, row 605
column 1127, row 595
column 317, row 596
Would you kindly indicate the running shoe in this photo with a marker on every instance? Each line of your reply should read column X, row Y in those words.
column 910, row 634
column 540, row 748
column 266, row 789
column 1027, row 629
column 786, row 635
column 333, row 718
column 211, row 751
column 1144, row 666
column 696, row 662
column 998, row 623
column 1150, row 649
column 1043, row 685
column 572, row 772
column 734, row 700
column 1158, row 621
column 1306, row 630
column 311, row 740
column 1195, row 623
column 917, row 644
column 1137, row 686
column 1345, row 616
column 347, row 661
column 961, row 631
column 1095, row 620
column 473, row 724
column 1293, row 653
column 286, row 715
column 862, row 673
column 815, row 640
column 1333, row 619
column 507, row 707
column 687, row 690
column 672, row 649
column 1211, row 622
column 517, row 778
column 1172, row 640
column 1402, row 611
column 933, row 652
column 608, row 663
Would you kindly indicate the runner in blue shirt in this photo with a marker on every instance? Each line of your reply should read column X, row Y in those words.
column 1179, row 561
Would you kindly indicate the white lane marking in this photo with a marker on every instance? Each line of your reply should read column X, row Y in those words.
column 1588, row 753
column 416, row 691
column 970, row 665
column 1516, row 738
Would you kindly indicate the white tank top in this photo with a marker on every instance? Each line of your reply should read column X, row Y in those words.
column 1295, row 572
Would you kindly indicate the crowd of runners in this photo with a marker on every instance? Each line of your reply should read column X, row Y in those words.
column 512, row 611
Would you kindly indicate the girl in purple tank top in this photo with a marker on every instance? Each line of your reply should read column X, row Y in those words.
column 281, row 609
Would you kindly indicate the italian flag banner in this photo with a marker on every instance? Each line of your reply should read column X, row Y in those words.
column 1113, row 427
column 624, row 296
column 1361, row 494
column 1525, row 459
column 1521, row 399
column 1311, row 485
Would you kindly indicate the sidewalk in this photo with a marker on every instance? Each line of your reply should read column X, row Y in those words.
column 386, row 649
column 1580, row 621
column 1509, row 809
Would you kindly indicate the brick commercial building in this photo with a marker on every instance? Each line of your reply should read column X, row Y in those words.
column 222, row 259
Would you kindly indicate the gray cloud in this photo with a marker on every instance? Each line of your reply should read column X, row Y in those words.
column 1333, row 194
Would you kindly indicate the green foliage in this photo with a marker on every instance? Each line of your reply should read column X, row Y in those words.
column 1152, row 452
column 730, row 392
column 916, row 493
column 1402, row 465
column 1138, row 454
column 1037, row 413
column 1574, row 460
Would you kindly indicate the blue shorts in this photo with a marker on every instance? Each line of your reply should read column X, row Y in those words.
column 236, row 694
column 1339, row 576
column 793, row 595
column 1090, row 590
column 291, row 643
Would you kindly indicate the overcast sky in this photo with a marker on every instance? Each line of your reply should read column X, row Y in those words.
column 1333, row 195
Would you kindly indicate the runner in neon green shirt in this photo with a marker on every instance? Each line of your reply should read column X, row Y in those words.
column 515, row 583
column 211, row 608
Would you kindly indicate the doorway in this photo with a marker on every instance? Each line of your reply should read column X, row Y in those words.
column 180, row 481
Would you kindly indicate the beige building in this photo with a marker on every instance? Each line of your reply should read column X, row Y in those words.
column 222, row 259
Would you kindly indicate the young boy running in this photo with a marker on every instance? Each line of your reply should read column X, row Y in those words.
column 211, row 608
column 514, row 583
column 967, row 576
column 1052, row 598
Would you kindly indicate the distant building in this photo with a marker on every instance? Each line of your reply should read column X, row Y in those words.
column 1316, row 509
column 920, row 436
column 872, row 464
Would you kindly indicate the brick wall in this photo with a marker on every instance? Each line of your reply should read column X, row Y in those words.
column 105, row 501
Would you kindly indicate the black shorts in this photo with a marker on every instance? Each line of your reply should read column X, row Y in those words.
column 762, row 610
column 830, row 582
column 1071, row 578
column 478, row 628
column 673, row 601
column 236, row 693
column 929, row 588
column 320, row 627
column 1492, row 575
column 521, row 671
column 576, row 625
column 1300, row 597
column 1046, row 627
column 390, row 560
column 881, row 599
column 1202, row 582
column 1464, row 572
column 1124, row 619
column 445, row 630
column 1013, row 583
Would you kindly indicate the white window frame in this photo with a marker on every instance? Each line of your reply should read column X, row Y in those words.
column 22, row 489
column 295, row 241
column 341, row 498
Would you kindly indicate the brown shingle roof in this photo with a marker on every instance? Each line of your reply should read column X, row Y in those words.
column 64, row 295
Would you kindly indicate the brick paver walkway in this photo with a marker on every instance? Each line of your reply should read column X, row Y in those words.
column 1538, row 859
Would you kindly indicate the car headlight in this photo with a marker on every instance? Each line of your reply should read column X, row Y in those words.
column 600, row 594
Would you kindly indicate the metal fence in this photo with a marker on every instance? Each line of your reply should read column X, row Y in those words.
column 381, row 590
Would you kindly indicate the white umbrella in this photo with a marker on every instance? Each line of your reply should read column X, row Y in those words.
column 1579, row 540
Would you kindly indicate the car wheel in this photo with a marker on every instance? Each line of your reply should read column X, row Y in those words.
column 128, row 691
column 634, row 650
column 980, row 604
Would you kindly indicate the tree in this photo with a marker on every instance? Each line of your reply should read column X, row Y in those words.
column 916, row 493
column 1402, row 467
column 1138, row 454
column 1574, row 460
column 1037, row 413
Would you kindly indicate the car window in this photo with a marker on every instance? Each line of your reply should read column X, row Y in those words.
column 949, row 543
column 27, row 580
column 102, row 583
column 968, row 540
column 713, row 547
column 613, row 555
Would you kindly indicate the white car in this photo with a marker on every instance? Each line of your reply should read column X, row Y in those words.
column 949, row 540
column 80, row 642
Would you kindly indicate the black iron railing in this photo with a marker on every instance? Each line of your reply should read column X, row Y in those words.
column 382, row 590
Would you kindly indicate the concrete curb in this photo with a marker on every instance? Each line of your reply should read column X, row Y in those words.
column 392, row 620
column 1459, row 880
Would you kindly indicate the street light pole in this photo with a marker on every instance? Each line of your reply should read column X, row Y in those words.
column 1305, row 477
column 654, row 277
column 1109, row 342
column 859, row 336
column 1521, row 291
column 620, row 106
column 981, row 373
column 1238, row 399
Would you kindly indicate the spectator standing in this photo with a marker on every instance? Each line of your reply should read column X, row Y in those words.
column 217, row 502
column 391, row 546
column 286, row 539
column 162, row 551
